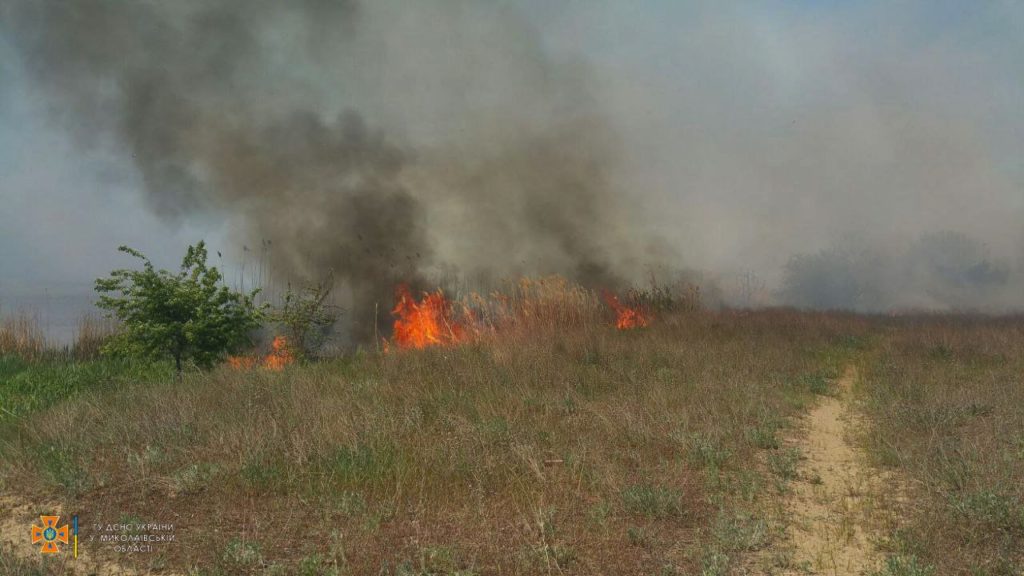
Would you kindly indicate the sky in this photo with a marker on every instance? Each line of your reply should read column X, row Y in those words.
column 64, row 210
column 747, row 132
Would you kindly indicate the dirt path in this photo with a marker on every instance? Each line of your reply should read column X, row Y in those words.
column 832, row 501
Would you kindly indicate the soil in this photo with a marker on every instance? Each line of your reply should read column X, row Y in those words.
column 831, row 506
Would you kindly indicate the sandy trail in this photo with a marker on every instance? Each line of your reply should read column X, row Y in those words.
column 832, row 499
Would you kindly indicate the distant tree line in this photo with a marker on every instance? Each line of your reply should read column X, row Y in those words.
column 945, row 270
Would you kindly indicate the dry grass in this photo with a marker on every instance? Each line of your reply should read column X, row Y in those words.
column 945, row 397
column 93, row 332
column 532, row 304
column 548, row 443
column 21, row 336
column 558, row 448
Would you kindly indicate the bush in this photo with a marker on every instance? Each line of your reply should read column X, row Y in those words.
column 189, row 315
column 306, row 318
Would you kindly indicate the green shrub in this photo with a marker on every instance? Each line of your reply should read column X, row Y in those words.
column 188, row 315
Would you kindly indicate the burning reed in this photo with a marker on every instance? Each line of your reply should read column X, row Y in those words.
column 277, row 359
column 527, row 306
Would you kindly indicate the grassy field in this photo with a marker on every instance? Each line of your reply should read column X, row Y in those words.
column 581, row 452
column 945, row 399
column 541, row 450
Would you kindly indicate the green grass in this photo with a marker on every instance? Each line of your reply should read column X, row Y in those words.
column 59, row 464
column 653, row 501
column 708, row 452
column 242, row 554
column 818, row 383
column 784, row 463
column 27, row 387
column 905, row 566
column 763, row 436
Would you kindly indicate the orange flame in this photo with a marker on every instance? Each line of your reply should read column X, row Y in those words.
column 627, row 318
column 428, row 322
column 241, row 362
column 279, row 357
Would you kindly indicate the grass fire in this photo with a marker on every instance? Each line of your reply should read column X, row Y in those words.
column 511, row 288
column 277, row 359
column 536, row 418
column 434, row 320
column 627, row 317
column 582, row 430
column 427, row 322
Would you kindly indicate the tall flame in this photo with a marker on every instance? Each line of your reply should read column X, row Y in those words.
column 280, row 356
column 626, row 317
column 428, row 322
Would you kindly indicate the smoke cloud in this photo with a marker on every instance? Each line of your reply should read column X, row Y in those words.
column 819, row 154
column 268, row 113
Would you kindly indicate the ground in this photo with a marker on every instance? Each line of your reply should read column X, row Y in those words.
column 772, row 442
column 830, row 529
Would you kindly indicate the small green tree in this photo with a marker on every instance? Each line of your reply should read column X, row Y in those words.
column 306, row 317
column 188, row 315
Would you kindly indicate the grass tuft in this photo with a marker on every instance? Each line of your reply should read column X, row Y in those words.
column 653, row 501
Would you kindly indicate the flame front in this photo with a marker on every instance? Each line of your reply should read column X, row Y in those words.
column 626, row 318
column 279, row 357
column 241, row 362
column 428, row 322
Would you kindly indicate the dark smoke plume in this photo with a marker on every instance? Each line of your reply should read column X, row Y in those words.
column 273, row 114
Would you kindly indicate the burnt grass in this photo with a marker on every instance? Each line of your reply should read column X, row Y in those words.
column 553, row 450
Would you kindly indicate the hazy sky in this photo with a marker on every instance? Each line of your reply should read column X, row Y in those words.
column 784, row 125
column 63, row 210
column 750, row 131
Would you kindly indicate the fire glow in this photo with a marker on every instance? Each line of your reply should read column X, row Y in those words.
column 434, row 320
column 279, row 357
column 429, row 322
column 626, row 317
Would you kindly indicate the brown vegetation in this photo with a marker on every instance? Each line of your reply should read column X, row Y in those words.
column 21, row 336
column 945, row 398
column 548, row 450
column 549, row 442
column 93, row 332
